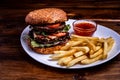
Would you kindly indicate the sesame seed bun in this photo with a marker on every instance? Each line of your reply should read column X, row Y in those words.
column 46, row 15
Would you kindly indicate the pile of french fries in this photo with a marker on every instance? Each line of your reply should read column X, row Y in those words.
column 83, row 50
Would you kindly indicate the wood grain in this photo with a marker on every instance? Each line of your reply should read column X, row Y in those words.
column 15, row 64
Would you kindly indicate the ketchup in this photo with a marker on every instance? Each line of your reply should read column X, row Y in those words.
column 84, row 28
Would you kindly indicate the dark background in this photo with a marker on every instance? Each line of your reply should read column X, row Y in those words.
column 15, row 64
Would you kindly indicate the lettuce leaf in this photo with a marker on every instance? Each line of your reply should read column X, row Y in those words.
column 35, row 44
column 66, row 28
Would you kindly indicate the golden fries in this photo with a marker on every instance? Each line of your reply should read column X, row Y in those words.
column 105, row 49
column 83, row 50
column 76, row 37
column 96, row 53
column 88, row 61
column 65, row 60
column 63, row 54
column 80, row 53
column 76, row 60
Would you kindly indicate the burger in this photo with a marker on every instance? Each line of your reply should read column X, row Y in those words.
column 48, row 31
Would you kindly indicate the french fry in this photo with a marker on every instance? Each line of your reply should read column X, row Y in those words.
column 94, row 41
column 105, row 49
column 109, row 39
column 88, row 61
column 76, row 60
column 59, row 52
column 84, row 44
column 91, row 52
column 67, row 60
column 110, row 43
column 96, row 53
column 80, row 53
column 99, row 44
column 60, row 61
column 91, row 45
column 110, row 46
column 66, row 47
column 97, row 48
column 85, row 49
column 71, row 44
column 65, row 53
column 83, row 37
column 75, row 43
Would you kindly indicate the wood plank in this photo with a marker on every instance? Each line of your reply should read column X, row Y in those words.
column 15, row 64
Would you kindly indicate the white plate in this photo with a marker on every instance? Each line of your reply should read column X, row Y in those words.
column 102, row 31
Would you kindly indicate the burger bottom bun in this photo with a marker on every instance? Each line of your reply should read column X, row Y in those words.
column 48, row 50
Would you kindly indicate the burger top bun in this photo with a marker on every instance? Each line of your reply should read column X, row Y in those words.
column 46, row 15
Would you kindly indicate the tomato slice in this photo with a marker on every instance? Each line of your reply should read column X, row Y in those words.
column 54, row 25
column 60, row 34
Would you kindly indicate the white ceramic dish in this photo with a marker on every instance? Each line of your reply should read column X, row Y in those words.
column 102, row 31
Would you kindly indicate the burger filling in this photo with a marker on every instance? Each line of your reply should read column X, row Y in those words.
column 49, row 35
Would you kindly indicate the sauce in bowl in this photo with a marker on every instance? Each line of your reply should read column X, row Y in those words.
column 84, row 27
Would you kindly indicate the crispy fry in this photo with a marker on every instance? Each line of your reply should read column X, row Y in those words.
column 109, row 39
column 110, row 43
column 71, row 44
column 75, row 43
column 91, row 52
column 96, row 53
column 60, row 61
column 105, row 49
column 99, row 44
column 97, row 48
column 76, row 60
column 59, row 52
column 85, row 49
column 83, row 37
column 110, row 46
column 67, row 60
column 65, row 53
column 88, row 61
column 91, row 45
column 80, row 53
column 66, row 47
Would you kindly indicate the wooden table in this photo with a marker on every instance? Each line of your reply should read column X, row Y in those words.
column 15, row 64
